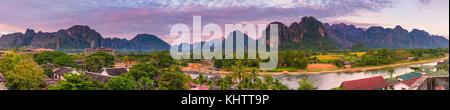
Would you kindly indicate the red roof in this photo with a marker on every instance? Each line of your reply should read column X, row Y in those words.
column 411, row 81
column 371, row 83
column 202, row 87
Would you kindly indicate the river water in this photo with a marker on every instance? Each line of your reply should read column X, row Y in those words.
column 327, row 81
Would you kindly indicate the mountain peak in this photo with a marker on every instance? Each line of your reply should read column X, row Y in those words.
column 144, row 36
column 310, row 19
column 79, row 27
column 30, row 31
column 398, row 27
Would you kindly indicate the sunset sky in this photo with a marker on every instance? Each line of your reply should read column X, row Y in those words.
column 126, row 18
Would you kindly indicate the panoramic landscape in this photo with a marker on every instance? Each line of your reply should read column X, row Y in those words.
column 125, row 45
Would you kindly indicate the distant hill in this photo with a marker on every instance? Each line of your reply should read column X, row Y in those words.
column 378, row 37
column 309, row 34
column 80, row 37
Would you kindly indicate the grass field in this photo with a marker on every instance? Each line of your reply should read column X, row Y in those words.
column 331, row 56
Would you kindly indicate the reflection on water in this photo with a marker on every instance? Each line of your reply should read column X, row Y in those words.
column 328, row 81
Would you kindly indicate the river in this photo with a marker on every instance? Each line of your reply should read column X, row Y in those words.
column 327, row 81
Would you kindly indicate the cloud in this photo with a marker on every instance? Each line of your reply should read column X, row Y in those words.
column 125, row 18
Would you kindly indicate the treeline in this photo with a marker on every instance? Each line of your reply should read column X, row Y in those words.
column 288, row 58
column 143, row 76
column 386, row 56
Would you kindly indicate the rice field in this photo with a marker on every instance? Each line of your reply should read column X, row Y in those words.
column 333, row 56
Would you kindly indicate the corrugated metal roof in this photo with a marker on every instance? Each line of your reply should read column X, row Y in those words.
column 371, row 83
column 409, row 76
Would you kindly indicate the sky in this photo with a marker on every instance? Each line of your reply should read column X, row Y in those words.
column 127, row 18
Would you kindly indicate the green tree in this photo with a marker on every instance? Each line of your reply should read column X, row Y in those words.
column 128, row 60
column 121, row 83
column 95, row 63
column 416, row 69
column 268, row 80
column 277, row 85
column 108, row 59
column 359, row 47
column 224, row 84
column 24, row 74
column 202, row 79
column 78, row 56
column 239, row 72
column 391, row 72
column 143, row 70
column 145, row 83
column 306, row 84
column 47, row 71
column 65, row 61
column 74, row 81
column 172, row 79
column 47, row 57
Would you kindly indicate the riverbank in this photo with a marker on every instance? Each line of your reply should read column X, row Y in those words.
column 356, row 69
column 303, row 72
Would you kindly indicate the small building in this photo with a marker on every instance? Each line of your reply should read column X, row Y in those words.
column 404, row 85
column 194, row 86
column 194, row 65
column 371, row 83
column 50, row 66
column 113, row 71
column 80, row 63
column 58, row 73
column 97, row 77
column 441, row 64
column 40, row 50
column 51, row 82
column 2, row 79
column 410, row 58
column 89, row 51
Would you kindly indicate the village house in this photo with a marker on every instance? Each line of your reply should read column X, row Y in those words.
column 441, row 64
column 347, row 64
column 194, row 86
column 404, row 85
column 51, row 82
column 113, row 71
column 410, row 58
column 410, row 76
column 2, row 82
column 98, row 77
column 194, row 65
column 59, row 72
column 89, row 51
column 50, row 66
column 80, row 63
column 371, row 83
column 2, row 79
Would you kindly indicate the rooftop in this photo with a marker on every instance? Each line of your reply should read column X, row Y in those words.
column 371, row 83
column 63, row 70
column 2, row 79
column 98, row 77
column 409, row 76
column 115, row 71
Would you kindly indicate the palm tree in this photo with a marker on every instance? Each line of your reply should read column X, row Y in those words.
column 391, row 72
column 238, row 72
column 254, row 74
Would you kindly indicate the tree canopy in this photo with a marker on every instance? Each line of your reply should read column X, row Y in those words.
column 21, row 72
column 74, row 81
